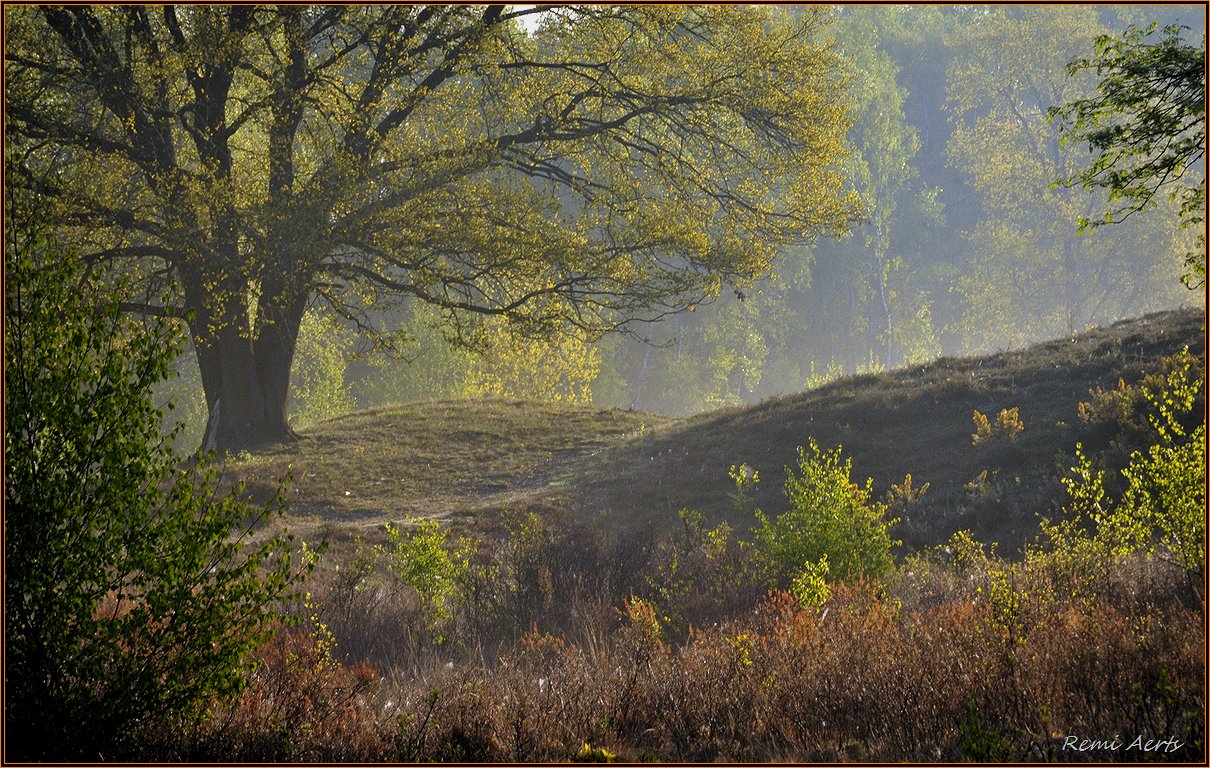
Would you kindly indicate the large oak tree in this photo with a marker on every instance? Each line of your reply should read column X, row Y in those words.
column 603, row 166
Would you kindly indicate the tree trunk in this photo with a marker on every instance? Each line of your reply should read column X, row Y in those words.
column 247, row 380
column 248, row 407
column 282, row 304
column 637, row 403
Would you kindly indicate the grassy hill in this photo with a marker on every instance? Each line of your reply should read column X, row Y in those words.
column 464, row 461
column 915, row 420
column 470, row 461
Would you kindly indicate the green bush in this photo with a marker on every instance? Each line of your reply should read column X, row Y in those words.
column 128, row 601
column 421, row 558
column 829, row 517
column 701, row 576
column 810, row 587
column 1166, row 484
column 1163, row 505
column 1006, row 427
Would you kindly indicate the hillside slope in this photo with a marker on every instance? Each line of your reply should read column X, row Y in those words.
column 469, row 462
column 915, row 420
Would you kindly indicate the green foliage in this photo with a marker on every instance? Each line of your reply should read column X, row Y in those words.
column 422, row 559
column 965, row 552
column 829, row 516
column 885, row 271
column 590, row 754
column 321, row 635
column 746, row 480
column 1171, row 395
column 735, row 349
column 642, row 619
column 1006, row 427
column 832, row 372
column 524, row 570
column 1075, row 560
column 981, row 745
column 1110, row 406
column 185, row 423
column 517, row 366
column 810, row 587
column 904, row 496
column 318, row 389
column 1006, row 600
column 1146, row 128
column 697, row 572
column 1165, row 497
column 424, row 364
column 1011, row 153
column 1166, row 484
column 132, row 595
column 1140, row 411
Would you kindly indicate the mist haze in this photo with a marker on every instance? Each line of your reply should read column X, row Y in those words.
column 968, row 244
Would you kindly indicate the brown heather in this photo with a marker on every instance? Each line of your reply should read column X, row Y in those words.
column 874, row 675
column 581, row 632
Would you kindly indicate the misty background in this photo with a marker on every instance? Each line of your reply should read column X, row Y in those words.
column 969, row 245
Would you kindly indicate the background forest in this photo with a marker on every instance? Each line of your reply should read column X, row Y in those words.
column 969, row 245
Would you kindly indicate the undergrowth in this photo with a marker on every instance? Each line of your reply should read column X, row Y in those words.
column 800, row 638
column 1083, row 650
column 951, row 659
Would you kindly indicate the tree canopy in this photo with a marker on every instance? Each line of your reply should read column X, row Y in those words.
column 1145, row 127
column 1029, row 275
column 614, row 164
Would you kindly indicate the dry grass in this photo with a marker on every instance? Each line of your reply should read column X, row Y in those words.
column 868, row 678
column 915, row 420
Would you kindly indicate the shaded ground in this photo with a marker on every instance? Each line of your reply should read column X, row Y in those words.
column 915, row 420
column 471, row 461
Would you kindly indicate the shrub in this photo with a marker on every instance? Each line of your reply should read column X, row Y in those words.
column 1006, row 427
column 590, row 754
column 829, row 516
column 746, row 480
column 810, row 587
column 990, row 674
column 905, row 496
column 702, row 575
column 420, row 557
column 301, row 705
column 527, row 556
column 1133, row 407
column 1164, row 501
column 128, row 601
column 1166, row 484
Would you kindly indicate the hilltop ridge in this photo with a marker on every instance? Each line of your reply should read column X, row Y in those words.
column 915, row 420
